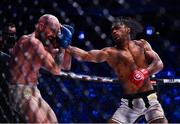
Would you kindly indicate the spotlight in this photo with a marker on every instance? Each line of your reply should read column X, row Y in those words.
column 170, row 73
column 81, row 35
column 149, row 30
column 95, row 113
column 167, row 100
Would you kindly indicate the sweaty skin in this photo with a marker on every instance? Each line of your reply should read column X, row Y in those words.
column 29, row 53
column 124, row 58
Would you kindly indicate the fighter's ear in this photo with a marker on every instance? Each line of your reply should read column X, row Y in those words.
column 128, row 29
column 60, row 26
column 41, row 26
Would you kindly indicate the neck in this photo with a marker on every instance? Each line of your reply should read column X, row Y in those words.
column 123, row 43
column 36, row 34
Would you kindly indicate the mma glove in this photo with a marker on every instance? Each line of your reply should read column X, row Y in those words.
column 64, row 37
column 137, row 77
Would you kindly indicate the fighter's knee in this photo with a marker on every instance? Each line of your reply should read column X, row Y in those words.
column 111, row 121
column 161, row 120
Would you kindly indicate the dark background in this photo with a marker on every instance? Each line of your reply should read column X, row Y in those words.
column 89, row 101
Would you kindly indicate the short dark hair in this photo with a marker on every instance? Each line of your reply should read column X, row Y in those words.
column 133, row 24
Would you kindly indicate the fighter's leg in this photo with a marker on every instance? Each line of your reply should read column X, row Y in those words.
column 124, row 114
column 155, row 113
column 112, row 121
column 160, row 120
column 34, row 109
column 50, row 115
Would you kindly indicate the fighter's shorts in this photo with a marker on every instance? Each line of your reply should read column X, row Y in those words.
column 20, row 93
column 26, row 98
column 136, row 105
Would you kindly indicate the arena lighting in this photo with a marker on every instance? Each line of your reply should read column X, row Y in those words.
column 95, row 113
column 81, row 35
column 149, row 30
column 170, row 73
column 167, row 100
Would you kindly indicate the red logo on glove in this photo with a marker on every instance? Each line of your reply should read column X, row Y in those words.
column 138, row 76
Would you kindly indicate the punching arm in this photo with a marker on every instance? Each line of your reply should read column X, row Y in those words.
column 96, row 56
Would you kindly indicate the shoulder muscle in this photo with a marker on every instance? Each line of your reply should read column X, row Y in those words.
column 144, row 44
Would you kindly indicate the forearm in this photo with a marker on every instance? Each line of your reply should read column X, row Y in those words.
column 66, row 65
column 155, row 64
column 96, row 56
column 155, row 67
column 51, row 66
column 78, row 53
column 59, row 57
column 51, row 62
column 56, row 70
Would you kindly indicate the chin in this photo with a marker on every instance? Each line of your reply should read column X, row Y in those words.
column 118, row 39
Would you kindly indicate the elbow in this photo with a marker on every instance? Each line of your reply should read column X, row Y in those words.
column 56, row 71
column 160, row 65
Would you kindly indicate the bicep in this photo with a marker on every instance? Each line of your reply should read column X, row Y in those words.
column 47, row 60
column 150, row 54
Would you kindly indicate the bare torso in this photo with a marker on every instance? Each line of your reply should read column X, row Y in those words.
column 124, row 61
column 25, row 63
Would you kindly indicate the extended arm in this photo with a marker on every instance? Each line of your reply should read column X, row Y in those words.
column 96, row 56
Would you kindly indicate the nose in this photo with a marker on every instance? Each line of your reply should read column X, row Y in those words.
column 51, row 37
column 114, row 32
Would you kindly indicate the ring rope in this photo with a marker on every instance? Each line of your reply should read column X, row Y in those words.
column 72, row 75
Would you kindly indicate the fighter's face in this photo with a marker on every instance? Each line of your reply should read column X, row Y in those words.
column 120, row 32
column 48, row 35
column 12, row 29
column 9, row 37
column 51, row 32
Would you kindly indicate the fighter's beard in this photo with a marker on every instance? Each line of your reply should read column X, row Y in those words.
column 120, row 42
column 44, row 40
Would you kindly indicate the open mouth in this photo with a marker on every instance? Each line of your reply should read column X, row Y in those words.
column 115, row 36
column 51, row 38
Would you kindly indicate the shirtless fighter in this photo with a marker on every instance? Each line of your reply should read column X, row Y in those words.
column 43, row 48
column 134, row 61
